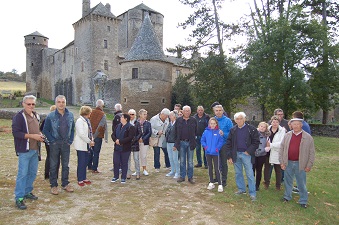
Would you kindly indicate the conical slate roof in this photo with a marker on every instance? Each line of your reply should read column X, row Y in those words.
column 146, row 46
column 36, row 33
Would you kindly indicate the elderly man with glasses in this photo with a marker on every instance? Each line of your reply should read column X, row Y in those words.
column 27, row 140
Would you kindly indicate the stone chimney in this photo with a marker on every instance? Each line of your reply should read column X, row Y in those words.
column 108, row 6
column 86, row 7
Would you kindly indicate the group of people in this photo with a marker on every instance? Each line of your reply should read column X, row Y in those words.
column 241, row 145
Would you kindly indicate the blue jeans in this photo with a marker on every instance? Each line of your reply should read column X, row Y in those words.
column 157, row 157
column 94, row 163
column 185, row 151
column 292, row 169
column 27, row 170
column 173, row 158
column 198, row 152
column 244, row 160
column 82, row 163
column 58, row 150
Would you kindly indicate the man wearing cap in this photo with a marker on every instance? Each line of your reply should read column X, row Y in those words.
column 296, row 159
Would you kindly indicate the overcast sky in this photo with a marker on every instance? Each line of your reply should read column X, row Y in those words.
column 54, row 19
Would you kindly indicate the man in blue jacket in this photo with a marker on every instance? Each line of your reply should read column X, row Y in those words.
column 27, row 138
column 225, row 125
column 59, row 130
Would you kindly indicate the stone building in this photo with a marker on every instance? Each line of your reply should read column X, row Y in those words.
column 119, row 59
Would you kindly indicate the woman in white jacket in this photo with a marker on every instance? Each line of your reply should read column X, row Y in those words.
column 82, row 142
column 277, row 135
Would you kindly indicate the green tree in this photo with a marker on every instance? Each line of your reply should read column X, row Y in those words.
column 181, row 92
column 217, row 78
column 274, row 56
column 323, row 53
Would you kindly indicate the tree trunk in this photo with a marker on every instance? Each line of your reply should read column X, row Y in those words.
column 221, row 51
column 325, row 115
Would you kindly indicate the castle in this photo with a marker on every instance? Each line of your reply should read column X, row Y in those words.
column 119, row 59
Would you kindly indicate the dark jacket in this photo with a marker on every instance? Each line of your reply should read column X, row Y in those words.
column 19, row 129
column 146, row 131
column 170, row 133
column 202, row 123
column 192, row 124
column 252, row 142
column 116, row 119
column 138, row 133
column 128, row 136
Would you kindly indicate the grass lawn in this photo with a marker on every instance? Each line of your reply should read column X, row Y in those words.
column 13, row 86
column 157, row 199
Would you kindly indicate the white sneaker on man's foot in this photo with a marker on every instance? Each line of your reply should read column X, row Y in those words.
column 145, row 173
column 220, row 188
column 210, row 186
column 134, row 174
column 157, row 170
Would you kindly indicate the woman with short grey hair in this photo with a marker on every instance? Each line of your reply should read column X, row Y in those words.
column 170, row 135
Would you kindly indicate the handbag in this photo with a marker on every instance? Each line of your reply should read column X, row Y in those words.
column 153, row 141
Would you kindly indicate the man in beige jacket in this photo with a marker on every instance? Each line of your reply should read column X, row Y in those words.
column 296, row 159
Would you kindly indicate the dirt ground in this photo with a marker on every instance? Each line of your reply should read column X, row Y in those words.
column 154, row 199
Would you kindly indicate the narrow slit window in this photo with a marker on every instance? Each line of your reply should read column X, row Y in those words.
column 135, row 74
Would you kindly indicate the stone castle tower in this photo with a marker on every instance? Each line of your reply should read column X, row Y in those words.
column 119, row 59
column 34, row 43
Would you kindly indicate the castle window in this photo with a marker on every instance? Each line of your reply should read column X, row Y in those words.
column 125, row 100
column 44, row 39
column 76, row 51
column 64, row 55
column 144, row 102
column 108, row 28
column 163, row 100
column 134, row 73
column 106, row 64
column 82, row 66
column 31, row 64
column 177, row 72
column 33, row 38
column 105, row 43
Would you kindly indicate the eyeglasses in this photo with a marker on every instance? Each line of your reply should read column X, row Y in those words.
column 131, row 114
column 29, row 104
column 280, row 114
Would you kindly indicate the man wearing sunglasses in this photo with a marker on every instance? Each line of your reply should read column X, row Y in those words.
column 27, row 138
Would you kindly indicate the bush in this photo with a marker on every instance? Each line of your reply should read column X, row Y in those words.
column 18, row 94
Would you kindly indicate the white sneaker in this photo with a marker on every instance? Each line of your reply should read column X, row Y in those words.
column 220, row 188
column 145, row 173
column 170, row 174
column 157, row 170
column 134, row 174
column 176, row 176
column 210, row 186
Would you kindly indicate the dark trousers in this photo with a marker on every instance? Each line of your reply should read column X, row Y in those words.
column 267, row 170
column 93, row 159
column 259, row 163
column 47, row 164
column 198, row 152
column 82, row 163
column 120, row 160
column 157, row 157
column 223, row 165
column 57, row 151
column 213, row 160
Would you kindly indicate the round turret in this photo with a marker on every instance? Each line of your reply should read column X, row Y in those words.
column 36, row 39
column 34, row 43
